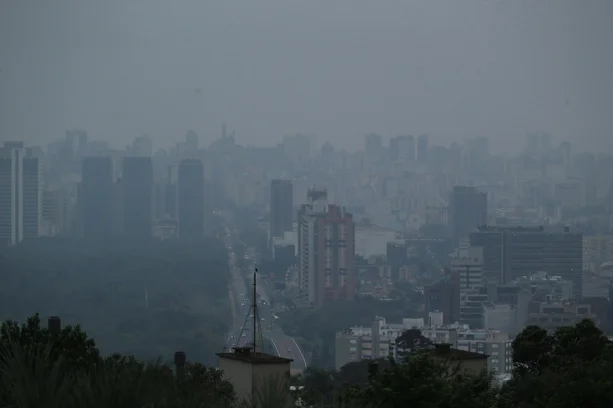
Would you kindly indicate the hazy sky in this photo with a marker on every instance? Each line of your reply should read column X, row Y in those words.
column 335, row 68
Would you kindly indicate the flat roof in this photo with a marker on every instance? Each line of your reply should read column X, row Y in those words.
column 255, row 358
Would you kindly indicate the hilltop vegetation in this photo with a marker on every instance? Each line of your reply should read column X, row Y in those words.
column 571, row 368
column 141, row 298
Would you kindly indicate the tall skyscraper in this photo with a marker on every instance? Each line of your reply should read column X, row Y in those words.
column 21, row 189
column 281, row 207
column 190, row 196
column 467, row 211
column 422, row 149
column 32, row 196
column 137, row 197
column 96, row 197
column 326, row 248
column 373, row 144
column 402, row 148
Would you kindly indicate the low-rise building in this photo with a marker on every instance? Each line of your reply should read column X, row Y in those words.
column 496, row 345
column 550, row 316
column 249, row 372
column 359, row 343
column 460, row 360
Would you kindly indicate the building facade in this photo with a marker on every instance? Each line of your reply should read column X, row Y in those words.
column 21, row 193
column 467, row 211
column 326, row 242
column 137, row 185
column 190, row 203
column 96, row 197
column 510, row 253
column 281, row 207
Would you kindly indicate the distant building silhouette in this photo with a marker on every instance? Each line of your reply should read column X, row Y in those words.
column 96, row 197
column 467, row 211
column 137, row 196
column 191, row 199
column 21, row 193
column 281, row 207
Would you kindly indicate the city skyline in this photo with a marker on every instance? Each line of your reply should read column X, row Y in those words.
column 452, row 70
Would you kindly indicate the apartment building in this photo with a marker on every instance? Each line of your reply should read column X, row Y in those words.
column 326, row 242
column 550, row 316
column 378, row 340
column 497, row 345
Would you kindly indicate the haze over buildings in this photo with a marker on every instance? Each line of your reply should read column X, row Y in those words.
column 450, row 69
column 453, row 160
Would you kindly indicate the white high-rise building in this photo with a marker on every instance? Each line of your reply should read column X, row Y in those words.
column 21, row 194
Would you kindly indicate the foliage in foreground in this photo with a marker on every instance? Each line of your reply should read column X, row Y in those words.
column 572, row 367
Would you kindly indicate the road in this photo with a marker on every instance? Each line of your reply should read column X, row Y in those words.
column 241, row 297
column 285, row 346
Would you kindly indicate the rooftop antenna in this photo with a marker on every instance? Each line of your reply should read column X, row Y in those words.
column 255, row 314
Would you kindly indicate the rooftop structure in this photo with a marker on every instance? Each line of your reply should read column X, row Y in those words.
column 249, row 372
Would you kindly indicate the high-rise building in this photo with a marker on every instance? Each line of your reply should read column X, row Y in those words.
column 422, row 149
column 281, row 207
column 32, row 196
column 21, row 193
column 96, row 197
column 510, row 253
column 11, row 194
column 402, row 148
column 190, row 196
column 467, row 211
column 137, row 196
column 55, row 212
column 373, row 145
column 444, row 296
column 326, row 248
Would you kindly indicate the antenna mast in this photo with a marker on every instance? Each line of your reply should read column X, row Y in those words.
column 255, row 310
column 257, row 327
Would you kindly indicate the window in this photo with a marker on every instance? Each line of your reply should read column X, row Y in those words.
column 353, row 341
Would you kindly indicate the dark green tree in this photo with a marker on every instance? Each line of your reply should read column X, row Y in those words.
column 71, row 343
column 573, row 367
column 424, row 382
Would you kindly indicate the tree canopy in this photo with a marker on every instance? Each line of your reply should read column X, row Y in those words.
column 141, row 298
column 39, row 367
column 569, row 368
